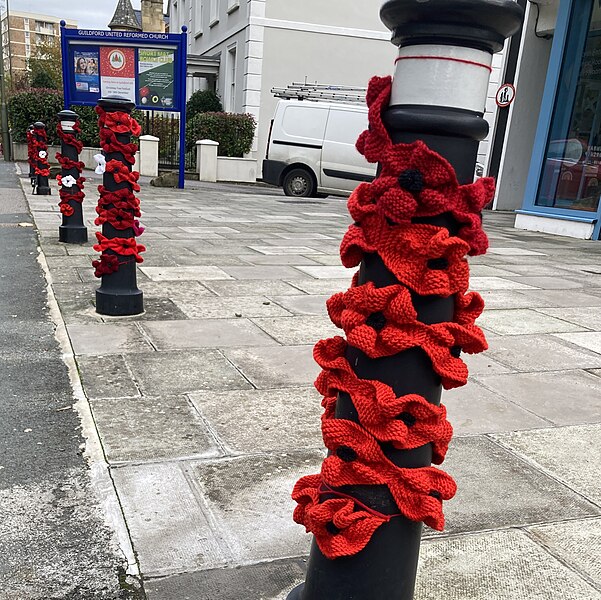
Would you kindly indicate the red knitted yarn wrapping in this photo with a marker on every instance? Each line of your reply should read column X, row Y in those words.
column 407, row 422
column 72, row 193
column 31, row 149
column 119, row 208
column 39, row 143
column 426, row 260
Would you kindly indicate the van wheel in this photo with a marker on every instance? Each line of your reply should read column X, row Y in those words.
column 299, row 183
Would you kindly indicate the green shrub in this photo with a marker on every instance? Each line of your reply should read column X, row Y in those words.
column 203, row 101
column 34, row 105
column 235, row 133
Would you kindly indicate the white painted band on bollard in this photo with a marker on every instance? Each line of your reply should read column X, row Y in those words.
column 451, row 76
column 67, row 125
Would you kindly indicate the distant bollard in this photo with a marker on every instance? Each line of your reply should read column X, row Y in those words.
column 118, row 210
column 72, row 230
column 31, row 156
column 40, row 155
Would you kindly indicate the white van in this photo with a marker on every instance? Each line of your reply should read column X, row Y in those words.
column 311, row 148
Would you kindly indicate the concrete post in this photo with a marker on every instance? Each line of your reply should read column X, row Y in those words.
column 148, row 156
column 377, row 484
column 206, row 160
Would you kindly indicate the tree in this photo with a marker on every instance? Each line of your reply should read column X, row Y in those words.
column 203, row 101
column 45, row 66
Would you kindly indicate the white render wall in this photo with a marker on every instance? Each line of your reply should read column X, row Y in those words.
column 283, row 41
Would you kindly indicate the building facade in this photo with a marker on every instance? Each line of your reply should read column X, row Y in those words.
column 244, row 48
column 22, row 32
column 551, row 169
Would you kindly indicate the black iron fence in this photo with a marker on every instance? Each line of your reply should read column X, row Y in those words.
column 165, row 126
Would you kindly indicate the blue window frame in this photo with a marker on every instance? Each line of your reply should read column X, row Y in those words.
column 565, row 172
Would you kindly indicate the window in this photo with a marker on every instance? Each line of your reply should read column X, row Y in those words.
column 196, row 28
column 571, row 176
column 26, row 23
column 214, row 12
column 232, row 5
column 231, row 79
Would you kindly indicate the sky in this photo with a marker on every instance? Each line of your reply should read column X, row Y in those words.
column 89, row 14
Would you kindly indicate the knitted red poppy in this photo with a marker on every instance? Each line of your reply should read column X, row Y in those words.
column 122, row 174
column 69, row 138
column 414, row 181
column 119, row 122
column 110, row 143
column 123, row 199
column 118, row 218
column 423, row 257
column 121, row 246
column 340, row 529
column 357, row 459
column 407, row 422
column 108, row 263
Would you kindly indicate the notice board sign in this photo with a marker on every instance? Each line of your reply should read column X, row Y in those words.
column 147, row 68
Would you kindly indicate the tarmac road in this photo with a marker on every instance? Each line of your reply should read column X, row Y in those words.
column 53, row 541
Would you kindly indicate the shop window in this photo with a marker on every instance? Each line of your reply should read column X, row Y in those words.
column 571, row 177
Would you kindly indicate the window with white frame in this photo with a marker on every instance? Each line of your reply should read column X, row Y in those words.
column 214, row 12
column 196, row 18
column 231, row 79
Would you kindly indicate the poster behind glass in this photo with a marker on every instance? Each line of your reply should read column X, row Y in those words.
column 86, row 61
column 156, row 78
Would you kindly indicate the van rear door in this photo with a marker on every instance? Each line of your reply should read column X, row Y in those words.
column 342, row 167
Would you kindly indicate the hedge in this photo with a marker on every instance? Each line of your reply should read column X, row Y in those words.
column 203, row 101
column 234, row 132
column 25, row 108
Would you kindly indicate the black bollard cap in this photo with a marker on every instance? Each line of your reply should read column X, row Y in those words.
column 480, row 24
column 67, row 115
column 116, row 103
column 39, row 125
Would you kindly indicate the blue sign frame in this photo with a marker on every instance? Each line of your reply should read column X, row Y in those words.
column 89, row 41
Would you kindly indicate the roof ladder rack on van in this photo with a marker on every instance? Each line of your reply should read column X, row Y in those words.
column 323, row 92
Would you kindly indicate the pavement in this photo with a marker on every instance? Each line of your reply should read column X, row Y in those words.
column 205, row 413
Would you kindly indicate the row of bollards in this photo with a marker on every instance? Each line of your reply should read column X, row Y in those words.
column 118, row 207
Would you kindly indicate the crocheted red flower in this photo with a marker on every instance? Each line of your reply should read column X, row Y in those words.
column 339, row 527
column 65, row 208
column 108, row 263
column 382, row 322
column 122, row 174
column 110, row 143
column 357, row 459
column 425, row 258
column 119, row 122
column 119, row 219
column 407, row 421
column 123, row 199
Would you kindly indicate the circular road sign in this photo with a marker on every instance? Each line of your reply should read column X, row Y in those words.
column 505, row 95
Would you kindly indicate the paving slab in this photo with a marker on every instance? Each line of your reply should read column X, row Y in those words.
column 271, row 367
column 483, row 363
column 106, row 377
column 249, row 421
column 328, row 272
column 523, row 322
column 263, row 581
column 298, row 330
column 570, row 454
column 559, row 298
column 497, row 489
column 549, row 283
column 252, row 288
column 304, row 304
column 508, row 299
column 249, row 500
column 562, row 397
column 586, row 317
column 281, row 260
column 206, row 333
column 227, row 308
column 263, row 272
column 497, row 283
column 541, row 353
column 499, row 565
column 514, row 252
column 164, row 373
column 275, row 250
column 473, row 409
column 151, row 428
column 106, row 338
column 323, row 286
column 168, row 527
column 199, row 273
column 591, row 340
column 576, row 543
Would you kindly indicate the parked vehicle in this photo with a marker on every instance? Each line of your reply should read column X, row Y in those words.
column 311, row 148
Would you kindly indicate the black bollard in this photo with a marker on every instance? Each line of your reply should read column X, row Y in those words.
column 31, row 155
column 42, row 167
column 72, row 230
column 438, row 97
column 117, row 210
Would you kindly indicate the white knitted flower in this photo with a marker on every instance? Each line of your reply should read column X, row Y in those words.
column 42, row 154
column 101, row 162
column 68, row 181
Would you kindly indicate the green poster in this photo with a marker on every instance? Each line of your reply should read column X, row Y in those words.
column 156, row 78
